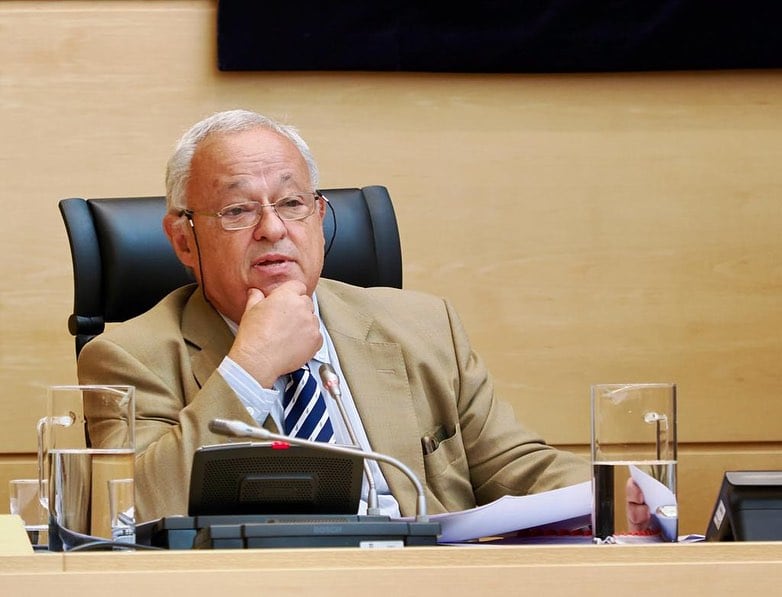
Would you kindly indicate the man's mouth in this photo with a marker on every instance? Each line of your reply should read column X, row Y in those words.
column 272, row 261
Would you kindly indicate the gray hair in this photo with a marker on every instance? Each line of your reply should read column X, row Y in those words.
column 231, row 121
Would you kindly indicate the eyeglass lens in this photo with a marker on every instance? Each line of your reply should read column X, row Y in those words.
column 244, row 215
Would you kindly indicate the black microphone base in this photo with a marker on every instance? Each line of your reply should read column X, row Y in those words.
column 285, row 531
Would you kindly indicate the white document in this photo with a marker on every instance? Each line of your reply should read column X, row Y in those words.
column 568, row 508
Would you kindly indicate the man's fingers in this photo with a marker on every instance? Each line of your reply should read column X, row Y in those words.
column 254, row 296
column 638, row 514
column 633, row 492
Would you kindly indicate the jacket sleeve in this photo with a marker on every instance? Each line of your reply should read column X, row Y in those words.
column 172, row 416
column 503, row 456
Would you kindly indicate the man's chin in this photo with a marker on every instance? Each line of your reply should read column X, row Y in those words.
column 268, row 284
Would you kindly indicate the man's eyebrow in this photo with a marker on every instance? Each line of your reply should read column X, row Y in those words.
column 242, row 183
column 235, row 184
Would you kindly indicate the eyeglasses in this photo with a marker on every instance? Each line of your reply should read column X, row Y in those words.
column 238, row 216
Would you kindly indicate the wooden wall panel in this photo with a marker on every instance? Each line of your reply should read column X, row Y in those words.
column 589, row 228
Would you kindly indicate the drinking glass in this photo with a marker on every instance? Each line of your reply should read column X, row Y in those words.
column 86, row 440
column 25, row 501
column 633, row 435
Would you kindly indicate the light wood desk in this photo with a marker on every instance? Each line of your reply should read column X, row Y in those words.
column 707, row 569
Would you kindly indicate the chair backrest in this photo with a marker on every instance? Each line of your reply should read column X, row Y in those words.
column 123, row 263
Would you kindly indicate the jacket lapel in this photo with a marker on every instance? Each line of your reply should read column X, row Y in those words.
column 207, row 333
column 375, row 371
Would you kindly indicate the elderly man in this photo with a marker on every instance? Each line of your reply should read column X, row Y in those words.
column 244, row 214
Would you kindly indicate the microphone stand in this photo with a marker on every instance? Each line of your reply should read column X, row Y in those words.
column 331, row 382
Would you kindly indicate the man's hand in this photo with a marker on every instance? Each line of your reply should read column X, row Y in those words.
column 278, row 333
column 638, row 515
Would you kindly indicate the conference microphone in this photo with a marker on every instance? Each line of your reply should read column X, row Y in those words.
column 234, row 428
column 330, row 381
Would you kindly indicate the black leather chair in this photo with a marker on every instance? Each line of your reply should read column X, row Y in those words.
column 123, row 263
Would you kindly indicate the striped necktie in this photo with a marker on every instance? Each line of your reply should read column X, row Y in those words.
column 305, row 409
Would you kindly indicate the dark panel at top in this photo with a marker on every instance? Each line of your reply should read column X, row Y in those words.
column 492, row 36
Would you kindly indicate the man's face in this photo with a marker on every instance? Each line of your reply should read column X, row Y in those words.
column 255, row 165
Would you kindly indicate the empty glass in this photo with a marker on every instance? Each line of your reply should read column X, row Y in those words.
column 25, row 501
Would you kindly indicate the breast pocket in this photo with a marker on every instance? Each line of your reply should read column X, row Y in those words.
column 447, row 473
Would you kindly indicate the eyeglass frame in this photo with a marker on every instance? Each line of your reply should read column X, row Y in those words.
column 189, row 213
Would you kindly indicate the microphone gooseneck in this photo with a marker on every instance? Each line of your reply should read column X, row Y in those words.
column 235, row 428
column 330, row 381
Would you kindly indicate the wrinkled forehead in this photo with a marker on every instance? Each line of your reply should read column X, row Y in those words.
column 257, row 161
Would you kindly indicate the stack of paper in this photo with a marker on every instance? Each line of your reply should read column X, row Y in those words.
column 565, row 509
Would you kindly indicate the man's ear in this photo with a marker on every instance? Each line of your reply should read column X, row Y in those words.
column 181, row 238
column 323, row 207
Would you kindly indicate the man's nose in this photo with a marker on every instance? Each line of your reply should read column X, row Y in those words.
column 270, row 225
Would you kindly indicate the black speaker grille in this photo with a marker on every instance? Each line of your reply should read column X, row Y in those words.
column 249, row 480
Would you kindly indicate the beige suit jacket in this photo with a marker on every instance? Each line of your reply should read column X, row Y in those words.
column 407, row 362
